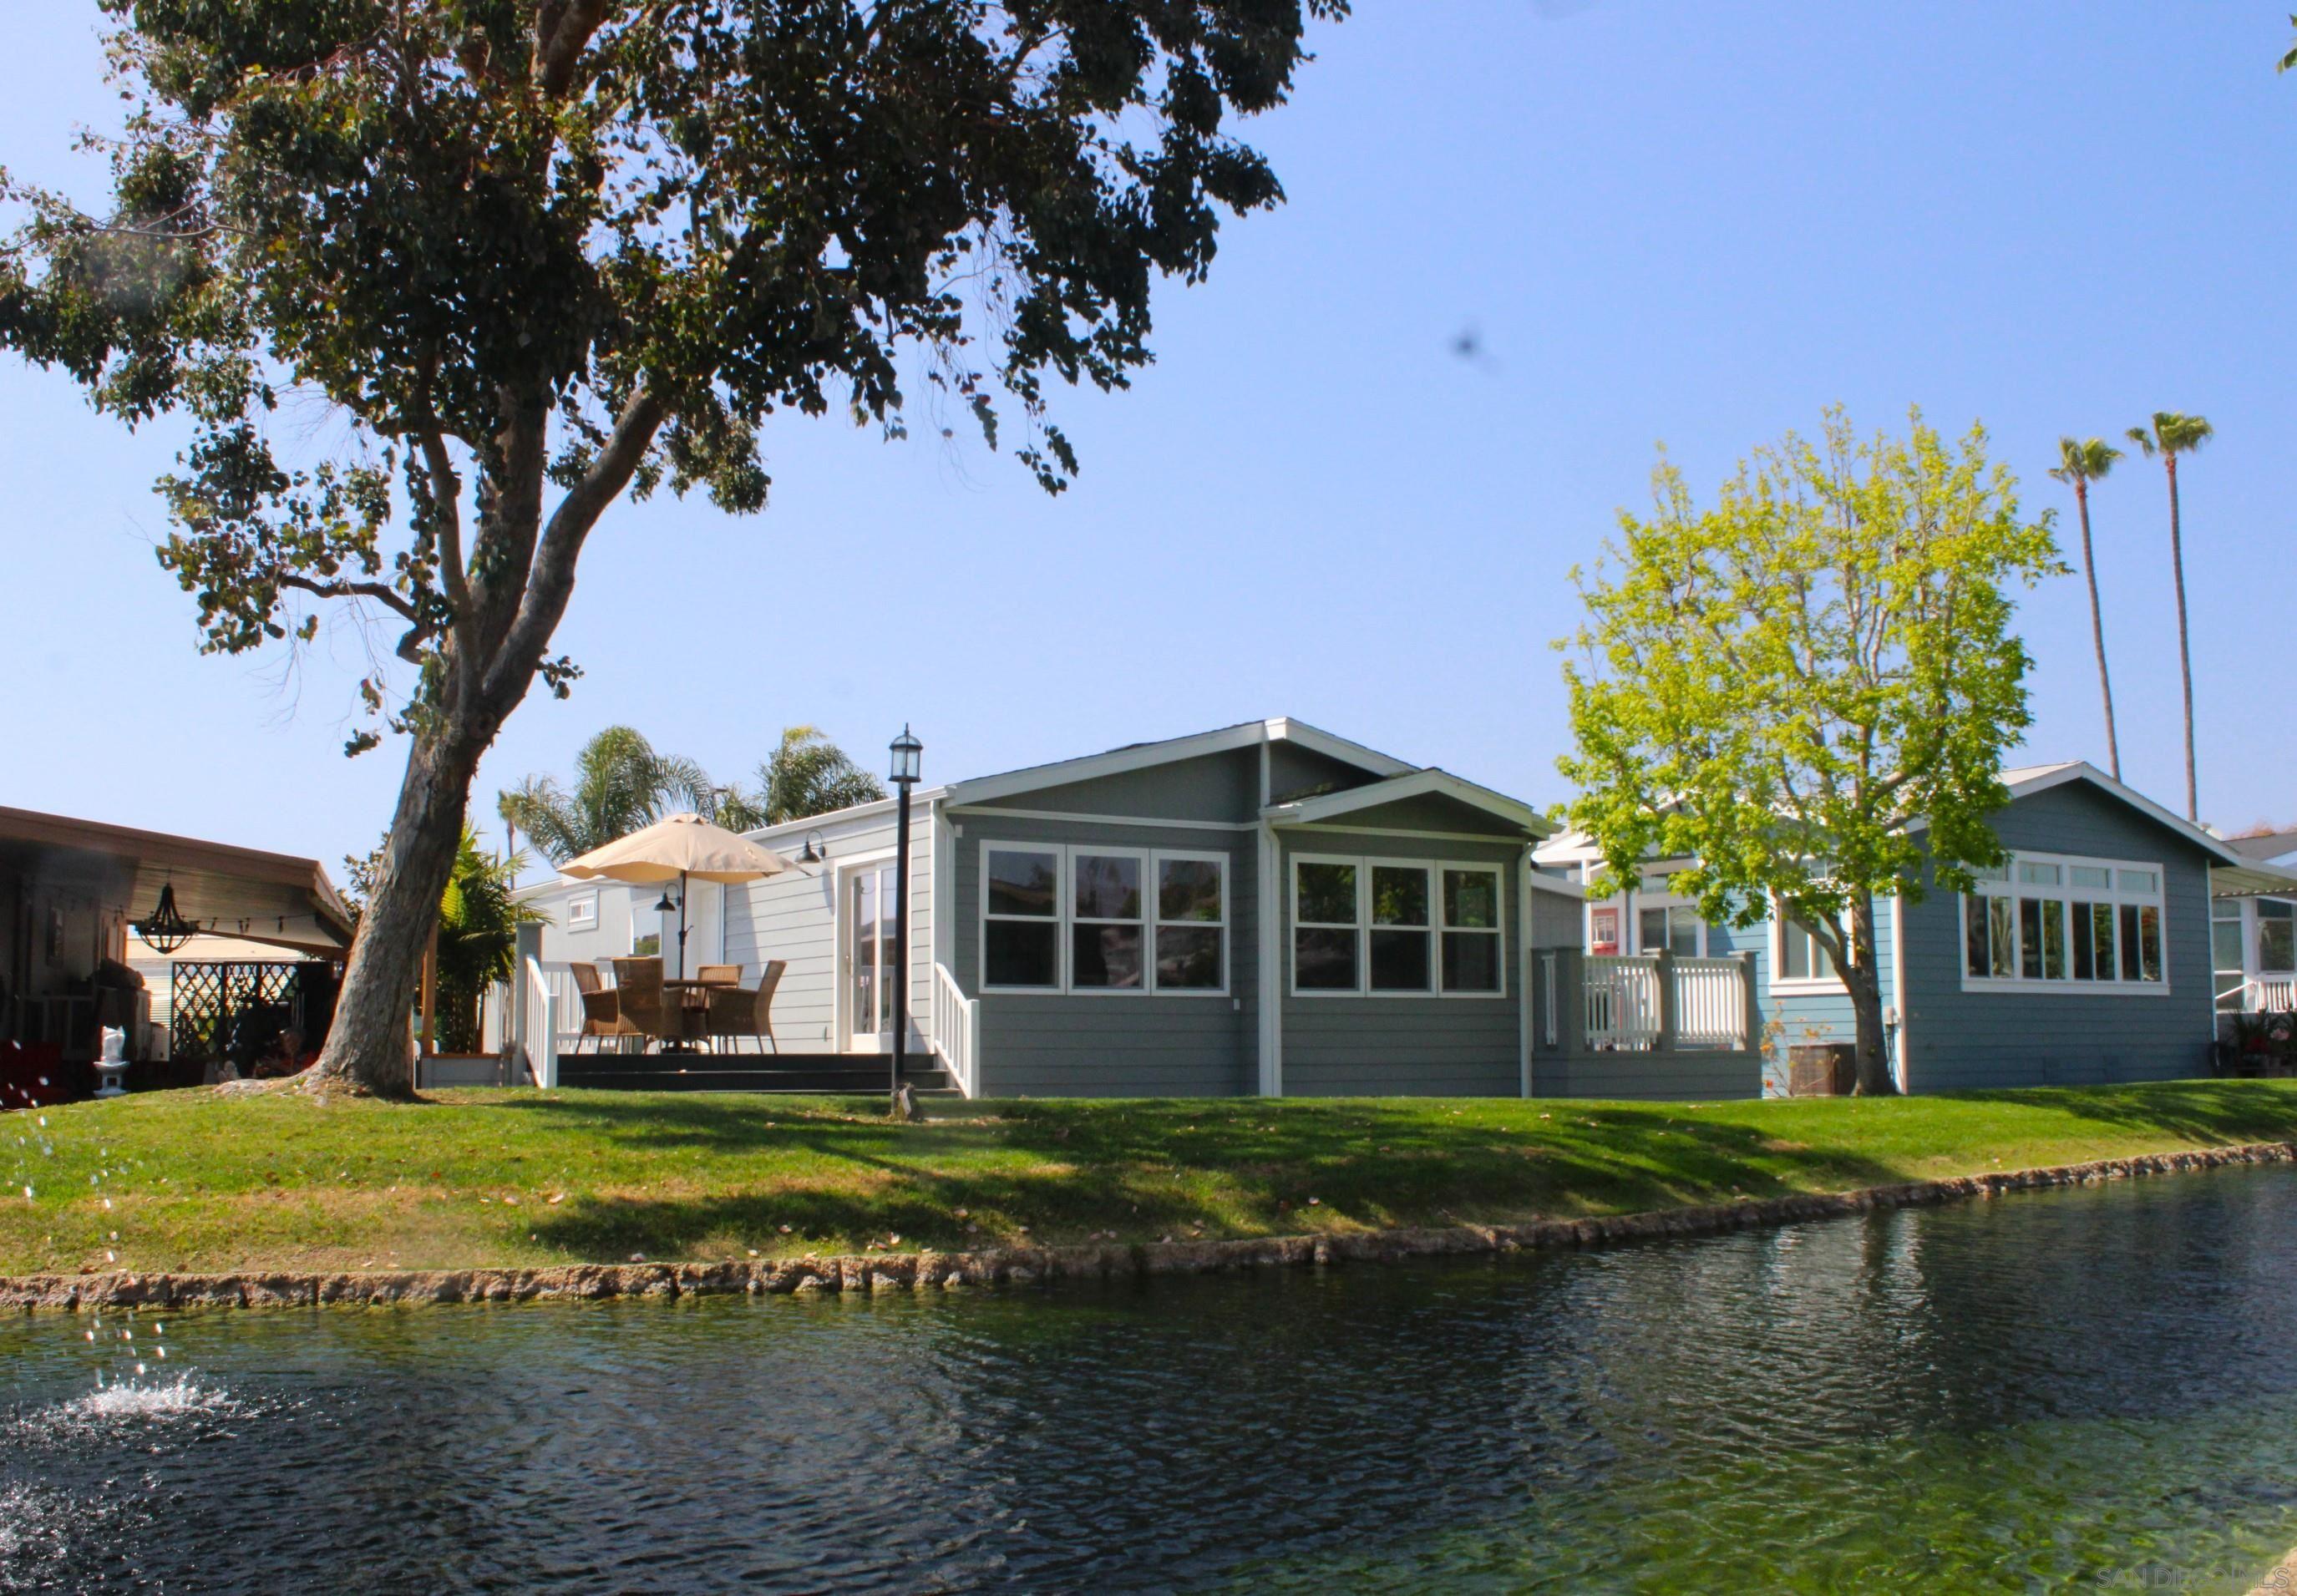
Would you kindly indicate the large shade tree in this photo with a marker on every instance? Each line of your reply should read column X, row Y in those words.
column 540, row 254
column 1808, row 688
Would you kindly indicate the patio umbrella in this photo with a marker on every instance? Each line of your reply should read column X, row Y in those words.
column 680, row 847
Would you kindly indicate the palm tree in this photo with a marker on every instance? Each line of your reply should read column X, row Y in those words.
column 2173, row 434
column 620, row 784
column 2081, row 464
column 806, row 774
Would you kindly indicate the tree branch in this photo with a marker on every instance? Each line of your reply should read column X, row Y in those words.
column 552, row 580
column 389, row 597
column 563, row 30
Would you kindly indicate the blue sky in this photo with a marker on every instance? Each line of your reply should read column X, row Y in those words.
column 1698, row 224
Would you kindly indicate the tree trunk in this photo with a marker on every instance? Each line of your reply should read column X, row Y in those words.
column 2185, row 652
column 2097, row 630
column 1862, row 980
column 366, row 1047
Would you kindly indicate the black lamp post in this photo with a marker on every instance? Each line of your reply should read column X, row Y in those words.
column 907, row 756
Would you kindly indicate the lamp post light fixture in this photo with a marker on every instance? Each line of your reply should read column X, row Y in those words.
column 908, row 757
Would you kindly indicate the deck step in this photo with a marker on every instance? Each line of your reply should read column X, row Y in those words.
column 817, row 1072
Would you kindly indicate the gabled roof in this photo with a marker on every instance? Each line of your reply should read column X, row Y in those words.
column 1142, row 756
column 1414, row 783
column 2264, row 844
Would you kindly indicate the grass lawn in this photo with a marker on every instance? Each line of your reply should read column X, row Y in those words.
column 196, row 1180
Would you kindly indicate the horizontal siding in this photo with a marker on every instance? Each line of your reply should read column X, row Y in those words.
column 1104, row 1044
column 1218, row 788
column 1649, row 1077
column 1406, row 1046
column 1962, row 1039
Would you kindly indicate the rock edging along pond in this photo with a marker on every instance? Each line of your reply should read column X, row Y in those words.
column 1036, row 1265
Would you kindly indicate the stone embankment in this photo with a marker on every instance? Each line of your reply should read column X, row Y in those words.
column 1040, row 1265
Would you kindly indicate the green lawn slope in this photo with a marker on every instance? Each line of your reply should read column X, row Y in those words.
column 203, row 1181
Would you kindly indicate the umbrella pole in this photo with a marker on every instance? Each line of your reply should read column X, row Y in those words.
column 681, row 925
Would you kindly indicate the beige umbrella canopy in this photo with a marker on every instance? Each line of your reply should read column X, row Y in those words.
column 678, row 848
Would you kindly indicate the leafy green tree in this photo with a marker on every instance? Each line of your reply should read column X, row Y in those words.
column 1785, row 686
column 806, row 774
column 535, row 254
column 620, row 784
column 2081, row 464
column 2169, row 435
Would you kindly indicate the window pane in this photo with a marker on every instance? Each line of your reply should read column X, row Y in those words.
column 1683, row 932
column 648, row 946
column 1471, row 899
column 1017, row 953
column 2091, row 875
column 2085, row 954
column 2053, row 940
column 1794, row 952
column 1399, row 961
column 1327, row 896
column 2274, row 908
column 2035, row 874
column 1651, row 926
column 1108, row 887
column 1399, row 897
column 1188, row 889
column 1105, row 956
column 1024, row 883
column 1471, row 961
column 1324, row 961
column 2101, row 925
column 2002, row 924
column 2029, row 938
column 2131, row 969
column 2149, row 940
column 1990, row 872
column 2276, row 942
column 1189, row 956
column 2225, row 943
column 2140, row 881
column 1973, row 935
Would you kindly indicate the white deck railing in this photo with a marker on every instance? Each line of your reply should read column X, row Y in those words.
column 1624, row 1013
column 1622, row 997
column 956, row 1030
column 2260, row 994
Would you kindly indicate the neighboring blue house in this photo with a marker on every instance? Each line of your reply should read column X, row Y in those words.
column 2086, row 959
column 1263, row 909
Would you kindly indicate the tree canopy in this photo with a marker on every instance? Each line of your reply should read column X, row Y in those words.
column 806, row 774
column 620, row 784
column 1781, row 687
column 528, row 255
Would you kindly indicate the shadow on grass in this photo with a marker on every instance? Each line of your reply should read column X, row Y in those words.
column 1182, row 1167
column 2205, row 1111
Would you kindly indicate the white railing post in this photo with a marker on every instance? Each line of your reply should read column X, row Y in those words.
column 956, row 1030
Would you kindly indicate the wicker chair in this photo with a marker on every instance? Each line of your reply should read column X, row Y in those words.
column 719, row 975
column 739, row 1011
column 602, row 1017
column 637, row 988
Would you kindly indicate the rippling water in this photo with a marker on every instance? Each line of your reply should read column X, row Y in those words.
column 2063, row 1390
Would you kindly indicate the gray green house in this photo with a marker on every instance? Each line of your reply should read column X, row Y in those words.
column 2087, row 959
column 1265, row 908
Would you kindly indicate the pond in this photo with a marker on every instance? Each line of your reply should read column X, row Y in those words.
column 2074, row 1388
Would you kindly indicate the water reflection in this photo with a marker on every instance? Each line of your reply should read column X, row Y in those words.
column 2036, row 1392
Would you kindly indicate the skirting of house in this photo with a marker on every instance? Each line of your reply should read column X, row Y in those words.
column 1033, row 1266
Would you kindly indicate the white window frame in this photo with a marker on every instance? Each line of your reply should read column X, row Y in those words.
column 1065, row 920
column 1791, row 985
column 1364, row 866
column 2064, row 893
column 1666, row 900
column 1154, row 910
column 582, row 913
column 1058, row 920
column 1497, row 929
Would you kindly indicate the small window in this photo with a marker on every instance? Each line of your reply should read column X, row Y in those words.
column 647, row 945
column 2096, row 876
column 1802, row 957
column 2276, row 937
column 2034, row 874
column 2140, row 881
column 581, row 913
column 1191, row 922
column 1106, row 942
column 1020, row 933
column 1474, row 938
column 1324, row 926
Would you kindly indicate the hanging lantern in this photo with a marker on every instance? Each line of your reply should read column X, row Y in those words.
column 165, row 930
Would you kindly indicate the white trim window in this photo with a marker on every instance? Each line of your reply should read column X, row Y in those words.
column 1799, row 960
column 582, row 913
column 1092, row 919
column 1667, row 923
column 1021, row 917
column 1396, row 928
column 2277, row 936
column 2054, row 920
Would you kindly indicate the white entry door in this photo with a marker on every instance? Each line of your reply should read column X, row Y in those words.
column 867, row 959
